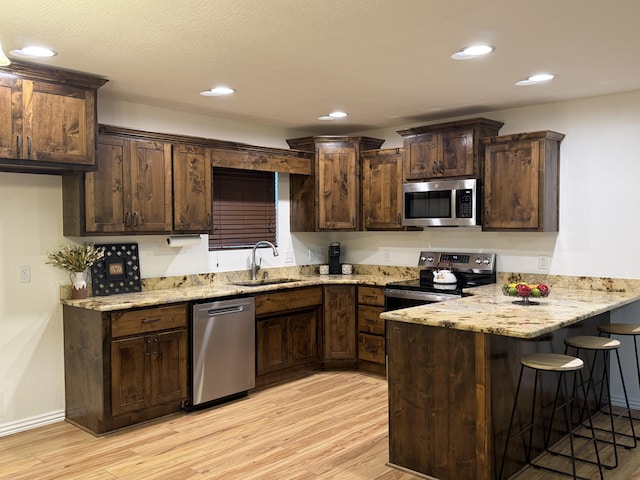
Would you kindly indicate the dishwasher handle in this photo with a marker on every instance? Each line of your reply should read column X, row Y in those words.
column 216, row 312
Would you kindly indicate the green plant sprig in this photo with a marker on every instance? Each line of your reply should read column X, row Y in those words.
column 76, row 258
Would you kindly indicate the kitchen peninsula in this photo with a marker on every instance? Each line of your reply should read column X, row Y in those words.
column 453, row 366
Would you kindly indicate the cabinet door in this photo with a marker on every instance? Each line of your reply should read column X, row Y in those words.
column 59, row 123
column 168, row 367
column 421, row 156
column 10, row 124
column 191, row 188
column 107, row 188
column 512, row 187
column 130, row 386
column 271, row 344
column 302, row 337
column 339, row 323
column 150, row 166
column 456, row 154
column 337, row 188
column 382, row 191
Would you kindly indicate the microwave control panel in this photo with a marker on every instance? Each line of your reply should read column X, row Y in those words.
column 464, row 203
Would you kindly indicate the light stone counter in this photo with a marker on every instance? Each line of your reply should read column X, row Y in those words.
column 222, row 286
column 487, row 310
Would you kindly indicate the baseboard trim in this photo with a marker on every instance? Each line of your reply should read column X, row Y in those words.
column 31, row 423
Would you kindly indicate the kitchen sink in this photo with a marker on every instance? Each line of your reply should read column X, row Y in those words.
column 269, row 281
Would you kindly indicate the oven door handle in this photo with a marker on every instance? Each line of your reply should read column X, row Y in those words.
column 414, row 295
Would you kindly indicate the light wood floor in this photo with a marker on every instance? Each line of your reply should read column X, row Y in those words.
column 332, row 425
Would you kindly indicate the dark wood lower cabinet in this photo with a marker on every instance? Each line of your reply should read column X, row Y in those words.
column 340, row 326
column 287, row 333
column 124, row 367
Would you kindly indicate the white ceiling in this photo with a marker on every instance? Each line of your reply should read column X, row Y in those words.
column 385, row 62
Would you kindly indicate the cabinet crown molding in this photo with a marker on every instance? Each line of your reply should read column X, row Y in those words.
column 457, row 124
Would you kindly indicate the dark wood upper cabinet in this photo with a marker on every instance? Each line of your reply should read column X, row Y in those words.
column 48, row 120
column 129, row 193
column 191, row 188
column 521, row 174
column 330, row 198
column 445, row 150
column 382, row 189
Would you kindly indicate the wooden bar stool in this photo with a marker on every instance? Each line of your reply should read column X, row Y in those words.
column 560, row 364
column 625, row 329
column 604, row 346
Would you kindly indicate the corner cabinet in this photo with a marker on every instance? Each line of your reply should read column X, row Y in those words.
column 521, row 180
column 340, row 326
column 382, row 189
column 48, row 120
column 124, row 367
column 129, row 193
column 329, row 199
column 445, row 150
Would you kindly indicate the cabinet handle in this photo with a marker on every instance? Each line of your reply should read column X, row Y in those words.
column 208, row 219
column 127, row 220
column 399, row 219
column 370, row 348
column 370, row 296
column 19, row 145
column 371, row 320
column 440, row 167
column 148, row 352
column 29, row 145
column 434, row 168
column 135, row 219
column 150, row 320
column 156, row 350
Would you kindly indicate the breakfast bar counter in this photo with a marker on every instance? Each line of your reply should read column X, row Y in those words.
column 453, row 368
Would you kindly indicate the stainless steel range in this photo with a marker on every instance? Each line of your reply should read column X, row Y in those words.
column 443, row 276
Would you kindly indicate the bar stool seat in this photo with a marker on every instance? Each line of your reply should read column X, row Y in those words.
column 561, row 365
column 604, row 346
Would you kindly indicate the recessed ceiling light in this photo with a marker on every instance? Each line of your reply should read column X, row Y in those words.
column 217, row 91
column 338, row 114
column 472, row 51
column 325, row 118
column 34, row 52
column 534, row 79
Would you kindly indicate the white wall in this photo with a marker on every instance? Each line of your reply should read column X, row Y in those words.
column 598, row 231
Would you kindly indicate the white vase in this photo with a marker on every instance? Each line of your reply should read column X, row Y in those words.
column 79, row 284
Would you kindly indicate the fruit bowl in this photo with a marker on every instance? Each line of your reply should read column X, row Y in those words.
column 527, row 292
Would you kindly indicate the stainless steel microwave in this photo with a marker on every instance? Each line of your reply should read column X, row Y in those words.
column 441, row 203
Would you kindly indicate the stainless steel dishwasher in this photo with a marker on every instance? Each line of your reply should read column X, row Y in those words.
column 223, row 350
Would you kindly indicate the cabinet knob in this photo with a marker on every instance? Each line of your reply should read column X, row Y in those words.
column 127, row 220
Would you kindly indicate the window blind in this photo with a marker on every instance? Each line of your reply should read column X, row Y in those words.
column 244, row 208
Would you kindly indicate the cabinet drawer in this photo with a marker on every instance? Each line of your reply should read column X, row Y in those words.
column 134, row 322
column 371, row 295
column 369, row 320
column 290, row 300
column 371, row 348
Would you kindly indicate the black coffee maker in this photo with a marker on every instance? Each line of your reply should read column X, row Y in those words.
column 334, row 258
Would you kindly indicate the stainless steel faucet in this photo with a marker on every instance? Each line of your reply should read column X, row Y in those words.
column 254, row 267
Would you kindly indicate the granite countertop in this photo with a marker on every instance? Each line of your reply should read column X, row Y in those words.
column 487, row 310
column 216, row 290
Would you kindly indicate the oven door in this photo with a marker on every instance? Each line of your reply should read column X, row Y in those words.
column 397, row 298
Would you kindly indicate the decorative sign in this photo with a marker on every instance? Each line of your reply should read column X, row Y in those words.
column 118, row 271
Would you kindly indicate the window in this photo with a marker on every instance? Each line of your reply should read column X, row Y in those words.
column 244, row 208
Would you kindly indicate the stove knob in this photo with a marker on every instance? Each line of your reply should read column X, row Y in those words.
column 423, row 259
column 430, row 259
column 478, row 260
column 486, row 261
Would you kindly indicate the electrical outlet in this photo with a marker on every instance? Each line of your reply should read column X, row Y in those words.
column 288, row 256
column 543, row 262
column 25, row 273
column 386, row 255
